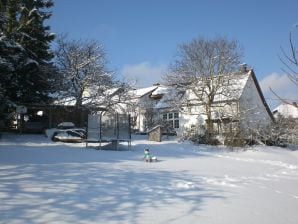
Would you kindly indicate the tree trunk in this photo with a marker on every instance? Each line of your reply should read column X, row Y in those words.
column 209, row 122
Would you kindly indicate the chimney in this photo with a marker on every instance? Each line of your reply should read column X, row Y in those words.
column 243, row 68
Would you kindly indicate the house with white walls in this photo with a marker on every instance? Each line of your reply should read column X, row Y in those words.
column 244, row 108
column 142, row 102
column 286, row 110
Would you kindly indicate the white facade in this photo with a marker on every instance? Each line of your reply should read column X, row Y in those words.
column 253, row 108
column 287, row 110
column 143, row 101
column 246, row 106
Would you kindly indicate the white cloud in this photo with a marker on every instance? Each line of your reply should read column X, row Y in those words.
column 274, row 81
column 145, row 73
column 281, row 85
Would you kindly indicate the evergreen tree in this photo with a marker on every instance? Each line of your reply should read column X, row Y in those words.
column 12, row 8
column 25, row 56
column 3, row 16
column 34, row 35
column 25, row 50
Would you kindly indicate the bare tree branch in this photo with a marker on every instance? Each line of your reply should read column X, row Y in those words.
column 290, row 62
column 202, row 71
column 84, row 75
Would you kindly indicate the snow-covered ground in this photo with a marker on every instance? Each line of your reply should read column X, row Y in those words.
column 47, row 182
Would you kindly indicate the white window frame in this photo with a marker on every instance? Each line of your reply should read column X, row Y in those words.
column 172, row 118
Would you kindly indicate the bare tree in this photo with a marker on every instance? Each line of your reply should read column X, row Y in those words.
column 203, row 70
column 290, row 60
column 282, row 132
column 290, row 63
column 84, row 74
column 149, row 118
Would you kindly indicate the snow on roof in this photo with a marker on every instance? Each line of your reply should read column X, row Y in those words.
column 87, row 97
column 235, row 88
column 143, row 91
column 67, row 101
column 286, row 110
column 169, row 93
column 161, row 90
column 233, row 91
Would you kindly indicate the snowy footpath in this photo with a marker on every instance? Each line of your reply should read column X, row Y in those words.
column 49, row 182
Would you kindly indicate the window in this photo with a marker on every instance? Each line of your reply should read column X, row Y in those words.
column 176, row 123
column 172, row 118
column 176, row 115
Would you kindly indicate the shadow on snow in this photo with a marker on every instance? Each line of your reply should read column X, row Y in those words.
column 95, row 187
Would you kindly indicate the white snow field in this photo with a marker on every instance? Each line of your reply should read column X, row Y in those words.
column 49, row 182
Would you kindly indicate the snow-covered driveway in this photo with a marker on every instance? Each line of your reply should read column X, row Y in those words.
column 46, row 182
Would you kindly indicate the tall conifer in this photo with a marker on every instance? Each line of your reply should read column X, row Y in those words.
column 25, row 50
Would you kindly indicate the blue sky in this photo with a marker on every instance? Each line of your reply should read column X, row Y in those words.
column 141, row 37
